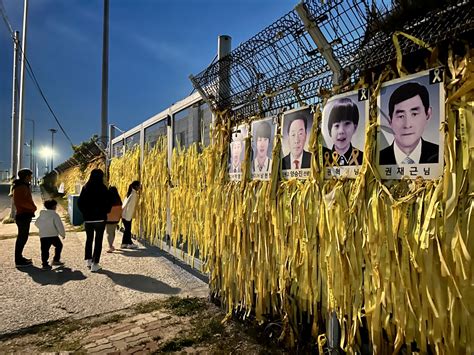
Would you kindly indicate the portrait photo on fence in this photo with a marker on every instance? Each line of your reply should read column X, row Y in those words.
column 263, row 132
column 295, row 131
column 410, row 114
column 237, row 152
column 343, row 127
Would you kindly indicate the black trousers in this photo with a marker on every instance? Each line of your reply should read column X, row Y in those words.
column 23, row 224
column 94, row 235
column 46, row 244
column 127, row 233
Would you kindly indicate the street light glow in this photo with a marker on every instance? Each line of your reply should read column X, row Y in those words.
column 46, row 152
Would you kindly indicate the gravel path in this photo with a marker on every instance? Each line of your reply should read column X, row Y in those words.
column 30, row 296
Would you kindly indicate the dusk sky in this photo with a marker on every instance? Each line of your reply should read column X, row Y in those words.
column 154, row 46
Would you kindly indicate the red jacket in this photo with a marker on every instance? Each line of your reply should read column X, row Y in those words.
column 22, row 198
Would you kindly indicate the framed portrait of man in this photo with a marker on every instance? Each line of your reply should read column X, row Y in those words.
column 237, row 152
column 343, row 126
column 410, row 114
column 295, row 130
column 263, row 132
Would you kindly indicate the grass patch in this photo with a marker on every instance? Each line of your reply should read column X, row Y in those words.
column 208, row 329
column 55, row 334
column 177, row 344
column 115, row 318
column 8, row 220
column 184, row 306
column 148, row 307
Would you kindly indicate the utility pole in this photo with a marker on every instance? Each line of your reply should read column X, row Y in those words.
column 22, row 85
column 53, row 131
column 33, row 151
column 105, row 76
column 14, row 155
column 30, row 145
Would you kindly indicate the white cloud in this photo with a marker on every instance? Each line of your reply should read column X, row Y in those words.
column 161, row 50
column 70, row 32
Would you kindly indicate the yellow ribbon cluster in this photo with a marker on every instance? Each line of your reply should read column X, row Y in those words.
column 154, row 193
column 122, row 171
column 75, row 175
column 395, row 253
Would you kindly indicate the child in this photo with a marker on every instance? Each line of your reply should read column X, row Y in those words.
column 342, row 124
column 50, row 227
column 113, row 217
column 128, row 212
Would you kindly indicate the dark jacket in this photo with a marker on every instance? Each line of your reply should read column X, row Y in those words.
column 22, row 199
column 305, row 163
column 429, row 154
column 94, row 202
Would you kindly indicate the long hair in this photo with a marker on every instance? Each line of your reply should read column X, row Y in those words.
column 133, row 186
column 115, row 196
column 96, row 178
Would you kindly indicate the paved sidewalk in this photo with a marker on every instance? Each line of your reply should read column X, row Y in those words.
column 30, row 296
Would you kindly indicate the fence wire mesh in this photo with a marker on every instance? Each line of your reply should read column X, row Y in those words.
column 281, row 65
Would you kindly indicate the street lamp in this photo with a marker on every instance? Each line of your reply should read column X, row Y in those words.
column 53, row 131
column 46, row 153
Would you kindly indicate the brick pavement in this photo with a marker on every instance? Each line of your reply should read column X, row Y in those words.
column 143, row 333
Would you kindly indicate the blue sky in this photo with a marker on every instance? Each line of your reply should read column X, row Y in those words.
column 154, row 46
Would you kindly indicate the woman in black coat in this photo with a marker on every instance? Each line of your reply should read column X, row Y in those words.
column 94, row 203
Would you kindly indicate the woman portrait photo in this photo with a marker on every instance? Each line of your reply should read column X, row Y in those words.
column 263, row 132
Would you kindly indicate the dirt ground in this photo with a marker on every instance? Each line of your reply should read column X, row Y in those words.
column 174, row 325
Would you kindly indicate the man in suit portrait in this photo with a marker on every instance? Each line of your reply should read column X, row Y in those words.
column 262, row 163
column 409, row 112
column 298, row 158
column 236, row 153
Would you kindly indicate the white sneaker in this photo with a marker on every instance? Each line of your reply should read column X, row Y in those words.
column 132, row 246
column 124, row 246
column 95, row 267
column 88, row 262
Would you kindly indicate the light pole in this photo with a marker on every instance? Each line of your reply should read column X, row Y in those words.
column 53, row 131
column 32, row 151
column 30, row 145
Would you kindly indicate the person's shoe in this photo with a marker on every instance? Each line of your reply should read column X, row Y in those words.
column 95, row 267
column 89, row 262
column 132, row 246
column 57, row 263
column 46, row 267
column 28, row 260
column 23, row 263
column 111, row 250
column 124, row 246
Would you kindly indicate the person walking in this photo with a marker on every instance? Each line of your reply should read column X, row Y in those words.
column 50, row 227
column 128, row 213
column 94, row 204
column 113, row 217
column 25, row 211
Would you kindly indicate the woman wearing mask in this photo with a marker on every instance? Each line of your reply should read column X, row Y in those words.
column 128, row 213
column 113, row 217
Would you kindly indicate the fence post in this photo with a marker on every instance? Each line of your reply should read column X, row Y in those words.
column 321, row 42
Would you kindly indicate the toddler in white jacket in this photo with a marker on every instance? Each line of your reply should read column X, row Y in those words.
column 50, row 228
